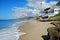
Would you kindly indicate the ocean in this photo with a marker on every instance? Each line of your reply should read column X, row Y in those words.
column 9, row 29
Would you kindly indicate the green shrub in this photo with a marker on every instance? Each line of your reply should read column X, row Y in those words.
column 56, row 15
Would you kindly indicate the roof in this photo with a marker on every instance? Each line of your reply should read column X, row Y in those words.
column 46, row 9
column 58, row 4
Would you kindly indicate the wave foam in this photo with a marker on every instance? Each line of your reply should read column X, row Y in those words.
column 12, row 32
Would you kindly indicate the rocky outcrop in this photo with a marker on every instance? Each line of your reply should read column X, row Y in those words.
column 54, row 32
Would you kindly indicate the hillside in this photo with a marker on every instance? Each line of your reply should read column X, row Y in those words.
column 55, row 17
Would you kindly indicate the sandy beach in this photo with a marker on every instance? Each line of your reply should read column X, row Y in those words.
column 35, row 30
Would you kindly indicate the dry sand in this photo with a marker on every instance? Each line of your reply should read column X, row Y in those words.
column 34, row 30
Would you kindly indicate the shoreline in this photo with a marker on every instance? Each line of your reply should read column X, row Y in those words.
column 34, row 30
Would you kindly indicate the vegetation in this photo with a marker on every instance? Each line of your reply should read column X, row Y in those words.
column 56, row 15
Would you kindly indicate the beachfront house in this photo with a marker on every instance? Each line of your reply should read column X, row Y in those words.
column 52, row 12
column 57, row 8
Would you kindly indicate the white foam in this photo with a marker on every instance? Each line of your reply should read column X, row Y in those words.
column 11, row 33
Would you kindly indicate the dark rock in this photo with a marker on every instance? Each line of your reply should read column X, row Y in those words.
column 54, row 32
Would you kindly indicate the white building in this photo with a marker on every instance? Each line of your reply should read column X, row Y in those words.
column 57, row 8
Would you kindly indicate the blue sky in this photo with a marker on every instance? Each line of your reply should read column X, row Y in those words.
column 7, row 5
column 51, row 0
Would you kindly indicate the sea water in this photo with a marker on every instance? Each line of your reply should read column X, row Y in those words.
column 9, row 29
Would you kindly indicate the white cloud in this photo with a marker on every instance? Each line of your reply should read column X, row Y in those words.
column 22, row 12
column 36, row 4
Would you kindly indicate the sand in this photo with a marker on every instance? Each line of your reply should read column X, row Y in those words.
column 34, row 30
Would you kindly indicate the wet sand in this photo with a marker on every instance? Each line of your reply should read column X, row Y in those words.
column 34, row 30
